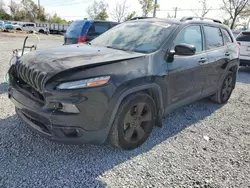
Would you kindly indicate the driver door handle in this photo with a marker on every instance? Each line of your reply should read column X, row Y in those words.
column 202, row 60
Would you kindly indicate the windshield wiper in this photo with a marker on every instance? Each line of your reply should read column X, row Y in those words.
column 116, row 48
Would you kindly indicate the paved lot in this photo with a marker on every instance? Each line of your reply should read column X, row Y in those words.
column 175, row 156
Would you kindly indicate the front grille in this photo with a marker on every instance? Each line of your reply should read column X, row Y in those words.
column 30, row 91
column 33, row 77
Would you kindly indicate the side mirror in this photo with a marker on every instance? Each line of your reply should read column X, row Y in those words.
column 185, row 49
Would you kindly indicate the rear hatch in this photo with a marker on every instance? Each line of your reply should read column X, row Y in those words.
column 244, row 41
column 76, row 32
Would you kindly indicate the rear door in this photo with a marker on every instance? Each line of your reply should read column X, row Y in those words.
column 244, row 40
column 218, row 57
column 232, row 48
column 97, row 29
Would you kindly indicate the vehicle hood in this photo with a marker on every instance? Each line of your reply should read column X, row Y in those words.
column 55, row 60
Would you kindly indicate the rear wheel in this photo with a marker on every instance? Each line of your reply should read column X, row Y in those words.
column 224, row 93
column 134, row 122
column 41, row 31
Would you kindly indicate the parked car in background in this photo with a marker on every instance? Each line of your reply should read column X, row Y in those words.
column 2, row 26
column 30, row 27
column 122, row 85
column 236, row 33
column 8, row 25
column 81, row 31
column 244, row 41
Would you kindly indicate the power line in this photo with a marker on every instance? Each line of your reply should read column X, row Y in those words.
column 180, row 9
column 67, row 3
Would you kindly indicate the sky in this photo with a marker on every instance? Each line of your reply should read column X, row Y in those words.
column 76, row 9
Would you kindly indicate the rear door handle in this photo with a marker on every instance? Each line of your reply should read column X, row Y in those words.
column 227, row 54
column 202, row 60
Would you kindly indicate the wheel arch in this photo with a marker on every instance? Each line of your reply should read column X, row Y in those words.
column 151, row 89
column 233, row 66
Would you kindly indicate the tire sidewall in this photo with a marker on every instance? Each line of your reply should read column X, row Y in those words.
column 229, row 74
column 122, row 113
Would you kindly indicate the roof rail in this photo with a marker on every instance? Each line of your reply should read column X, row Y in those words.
column 139, row 18
column 201, row 18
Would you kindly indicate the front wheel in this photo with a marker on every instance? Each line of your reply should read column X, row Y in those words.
column 226, row 89
column 134, row 121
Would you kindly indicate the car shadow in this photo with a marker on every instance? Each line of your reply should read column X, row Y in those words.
column 244, row 75
column 3, row 88
column 31, row 158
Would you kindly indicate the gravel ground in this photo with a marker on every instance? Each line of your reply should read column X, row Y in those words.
column 201, row 145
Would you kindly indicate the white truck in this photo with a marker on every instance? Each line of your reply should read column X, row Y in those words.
column 54, row 28
column 30, row 27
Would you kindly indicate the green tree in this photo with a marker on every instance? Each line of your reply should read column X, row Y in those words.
column 205, row 8
column 227, row 22
column 32, row 11
column 4, row 15
column 130, row 16
column 102, row 16
column 120, row 12
column 56, row 19
column 16, row 12
column 98, row 10
column 147, row 6
column 234, row 8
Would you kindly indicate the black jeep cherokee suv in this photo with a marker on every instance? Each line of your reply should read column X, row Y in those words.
column 119, row 86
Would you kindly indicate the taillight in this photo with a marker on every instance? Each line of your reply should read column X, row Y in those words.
column 238, row 44
column 82, row 39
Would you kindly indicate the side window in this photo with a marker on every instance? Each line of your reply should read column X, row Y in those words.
column 213, row 37
column 191, row 35
column 226, row 36
column 113, row 24
column 99, row 27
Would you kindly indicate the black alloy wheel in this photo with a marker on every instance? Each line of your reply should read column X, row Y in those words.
column 137, row 122
column 134, row 121
column 227, row 88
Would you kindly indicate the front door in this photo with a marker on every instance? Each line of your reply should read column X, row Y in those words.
column 186, row 75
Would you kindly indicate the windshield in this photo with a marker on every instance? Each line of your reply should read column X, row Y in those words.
column 141, row 37
column 75, row 28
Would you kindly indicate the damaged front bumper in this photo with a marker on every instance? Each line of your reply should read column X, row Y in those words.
column 73, row 128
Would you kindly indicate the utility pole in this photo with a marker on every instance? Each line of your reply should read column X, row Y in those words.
column 39, row 10
column 175, row 14
column 155, row 6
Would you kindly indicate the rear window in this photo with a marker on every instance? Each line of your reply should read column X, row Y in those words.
column 99, row 27
column 213, row 37
column 244, row 37
column 75, row 29
column 226, row 36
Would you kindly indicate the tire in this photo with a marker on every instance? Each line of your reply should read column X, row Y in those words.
column 41, row 31
column 224, row 93
column 134, row 122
